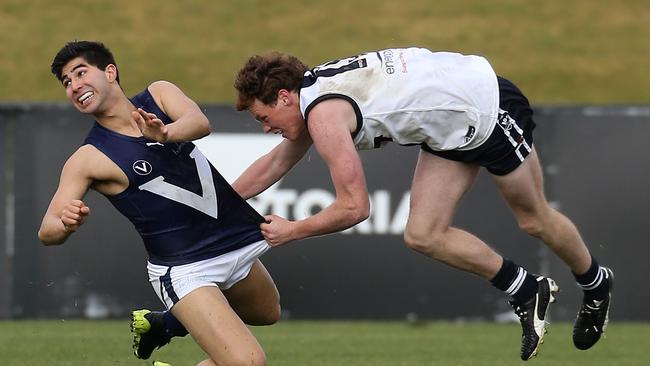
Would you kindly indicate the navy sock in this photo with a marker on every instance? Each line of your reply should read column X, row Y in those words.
column 594, row 282
column 173, row 328
column 515, row 281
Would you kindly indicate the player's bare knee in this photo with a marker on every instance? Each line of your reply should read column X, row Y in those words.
column 423, row 242
column 532, row 226
column 272, row 316
column 261, row 315
column 252, row 358
column 275, row 315
column 412, row 239
column 272, row 310
column 207, row 362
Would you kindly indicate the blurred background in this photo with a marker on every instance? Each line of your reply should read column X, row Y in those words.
column 583, row 65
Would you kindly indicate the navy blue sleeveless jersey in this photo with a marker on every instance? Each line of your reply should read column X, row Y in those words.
column 183, row 209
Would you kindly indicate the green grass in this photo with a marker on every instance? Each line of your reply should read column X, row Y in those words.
column 558, row 51
column 104, row 343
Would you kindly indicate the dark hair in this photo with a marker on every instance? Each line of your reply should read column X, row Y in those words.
column 95, row 53
column 263, row 76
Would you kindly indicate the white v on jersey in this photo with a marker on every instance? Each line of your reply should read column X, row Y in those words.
column 411, row 96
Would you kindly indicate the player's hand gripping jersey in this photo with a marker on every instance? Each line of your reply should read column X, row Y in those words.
column 447, row 101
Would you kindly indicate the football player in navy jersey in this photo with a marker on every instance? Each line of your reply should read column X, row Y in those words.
column 202, row 238
column 464, row 117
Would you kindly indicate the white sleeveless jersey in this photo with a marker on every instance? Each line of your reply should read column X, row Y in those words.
column 411, row 96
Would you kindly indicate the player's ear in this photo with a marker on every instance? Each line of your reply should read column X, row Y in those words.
column 284, row 97
column 111, row 72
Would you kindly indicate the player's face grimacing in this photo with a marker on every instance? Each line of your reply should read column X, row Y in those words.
column 282, row 117
column 84, row 84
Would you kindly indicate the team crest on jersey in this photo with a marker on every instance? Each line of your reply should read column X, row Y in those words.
column 142, row 167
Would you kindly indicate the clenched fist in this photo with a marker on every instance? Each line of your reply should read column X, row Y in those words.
column 74, row 215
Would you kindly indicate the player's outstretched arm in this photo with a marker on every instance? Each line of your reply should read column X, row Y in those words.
column 330, row 124
column 189, row 121
column 66, row 212
column 269, row 168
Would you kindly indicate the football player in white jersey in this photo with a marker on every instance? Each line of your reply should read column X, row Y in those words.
column 464, row 117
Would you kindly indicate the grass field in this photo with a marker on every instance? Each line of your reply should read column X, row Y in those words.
column 558, row 51
column 107, row 343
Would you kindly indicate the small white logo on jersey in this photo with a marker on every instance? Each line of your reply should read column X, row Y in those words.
column 142, row 167
column 154, row 143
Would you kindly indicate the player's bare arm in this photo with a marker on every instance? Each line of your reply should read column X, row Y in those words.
column 330, row 125
column 189, row 122
column 86, row 168
column 272, row 166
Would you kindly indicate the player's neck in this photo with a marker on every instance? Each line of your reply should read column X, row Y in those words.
column 117, row 116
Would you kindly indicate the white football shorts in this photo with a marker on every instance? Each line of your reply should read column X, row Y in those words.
column 173, row 283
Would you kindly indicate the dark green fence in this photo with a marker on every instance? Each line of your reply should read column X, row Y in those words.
column 597, row 172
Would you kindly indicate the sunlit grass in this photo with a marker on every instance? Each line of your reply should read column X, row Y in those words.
column 323, row 343
column 559, row 52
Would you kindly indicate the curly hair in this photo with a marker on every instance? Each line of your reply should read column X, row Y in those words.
column 264, row 75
